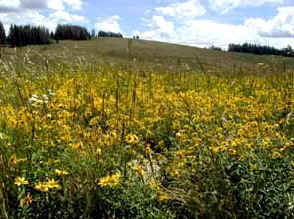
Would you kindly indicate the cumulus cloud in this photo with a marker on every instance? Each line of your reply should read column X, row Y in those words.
column 171, row 24
column 202, row 33
column 190, row 8
column 13, row 5
column 55, row 4
column 30, row 16
column 47, row 13
column 36, row 18
column 61, row 4
column 158, row 29
column 63, row 17
column 205, row 32
column 6, row 6
column 280, row 26
column 109, row 24
column 224, row 6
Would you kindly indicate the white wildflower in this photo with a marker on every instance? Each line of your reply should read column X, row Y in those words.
column 51, row 93
column 2, row 136
column 36, row 100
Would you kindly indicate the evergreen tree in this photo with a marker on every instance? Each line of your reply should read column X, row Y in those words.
column 2, row 34
column 52, row 36
column 28, row 35
column 261, row 50
column 71, row 32
column 109, row 34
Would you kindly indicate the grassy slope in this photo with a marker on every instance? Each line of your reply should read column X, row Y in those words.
column 210, row 115
column 154, row 56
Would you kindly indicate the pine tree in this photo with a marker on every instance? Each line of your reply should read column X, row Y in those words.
column 261, row 50
column 2, row 34
column 109, row 34
column 71, row 32
column 28, row 35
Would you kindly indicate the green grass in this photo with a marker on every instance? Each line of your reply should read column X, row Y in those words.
column 149, row 55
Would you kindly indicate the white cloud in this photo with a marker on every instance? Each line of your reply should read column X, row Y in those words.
column 109, row 24
column 159, row 29
column 74, row 4
column 202, row 33
column 23, row 12
column 27, row 17
column 162, row 25
column 34, row 17
column 55, row 4
column 223, row 6
column 205, row 33
column 63, row 16
column 10, row 5
column 62, row 4
column 176, row 27
column 282, row 25
column 190, row 8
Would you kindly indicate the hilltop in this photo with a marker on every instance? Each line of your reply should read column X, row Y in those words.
column 152, row 55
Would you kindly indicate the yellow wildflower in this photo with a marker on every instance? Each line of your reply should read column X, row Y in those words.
column 94, row 121
column 163, row 197
column 147, row 150
column 21, row 181
column 52, row 184
column 111, row 181
column 98, row 152
column 42, row 187
column 77, row 146
column 45, row 186
column 139, row 170
column 253, row 167
column 154, row 185
column 61, row 172
column 132, row 139
column 276, row 154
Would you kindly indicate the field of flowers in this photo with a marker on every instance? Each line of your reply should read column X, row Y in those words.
column 105, row 142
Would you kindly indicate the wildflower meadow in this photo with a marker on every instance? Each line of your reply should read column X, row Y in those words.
column 87, row 140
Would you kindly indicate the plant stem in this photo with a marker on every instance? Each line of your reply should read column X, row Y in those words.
column 3, row 213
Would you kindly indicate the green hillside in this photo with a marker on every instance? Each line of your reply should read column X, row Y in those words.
column 150, row 55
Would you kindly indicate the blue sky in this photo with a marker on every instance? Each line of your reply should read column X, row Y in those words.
column 191, row 22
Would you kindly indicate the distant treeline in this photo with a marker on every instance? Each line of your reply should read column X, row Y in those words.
column 27, row 35
column 71, row 32
column 22, row 35
column 109, row 34
column 261, row 50
column 2, row 34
